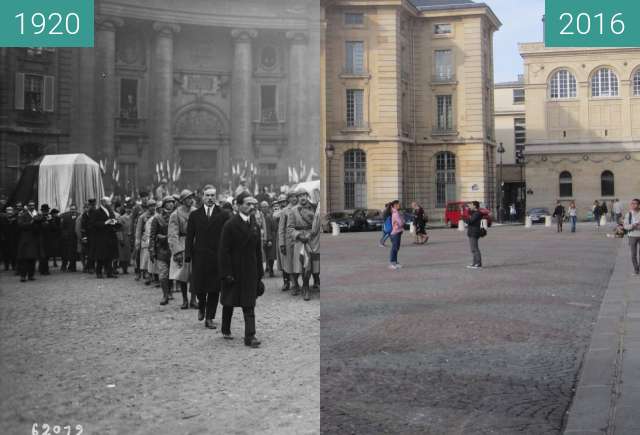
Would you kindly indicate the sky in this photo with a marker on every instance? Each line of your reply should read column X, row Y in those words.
column 521, row 22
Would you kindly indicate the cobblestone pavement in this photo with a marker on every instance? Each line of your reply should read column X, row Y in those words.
column 436, row 348
column 106, row 355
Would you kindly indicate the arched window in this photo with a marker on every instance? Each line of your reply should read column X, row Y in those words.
column 445, row 178
column 604, row 83
column 566, row 185
column 562, row 85
column 607, row 185
column 636, row 84
column 355, row 179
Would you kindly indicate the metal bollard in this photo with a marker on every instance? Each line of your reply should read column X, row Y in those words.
column 528, row 223
column 547, row 221
column 461, row 225
column 412, row 228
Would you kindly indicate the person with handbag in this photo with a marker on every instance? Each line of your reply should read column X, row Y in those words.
column 474, row 233
column 559, row 214
column 241, row 269
column 632, row 227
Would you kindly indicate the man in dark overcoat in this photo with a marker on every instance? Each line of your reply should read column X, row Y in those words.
column 69, row 239
column 241, row 268
column 9, row 234
column 88, row 238
column 29, row 247
column 47, row 230
column 104, row 224
column 204, row 229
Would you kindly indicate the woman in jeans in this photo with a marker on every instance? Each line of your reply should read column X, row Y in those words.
column 573, row 215
column 397, row 225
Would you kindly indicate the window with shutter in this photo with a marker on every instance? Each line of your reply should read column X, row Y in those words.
column 49, row 94
column 19, row 88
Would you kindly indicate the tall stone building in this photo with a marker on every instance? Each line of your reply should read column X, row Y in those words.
column 203, row 84
column 583, row 125
column 511, row 132
column 409, row 102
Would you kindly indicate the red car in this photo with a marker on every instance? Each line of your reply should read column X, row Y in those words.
column 460, row 209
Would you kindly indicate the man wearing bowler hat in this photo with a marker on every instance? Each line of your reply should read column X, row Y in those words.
column 241, row 268
column 204, row 229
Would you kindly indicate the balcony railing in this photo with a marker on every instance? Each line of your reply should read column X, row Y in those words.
column 134, row 125
column 444, row 131
column 443, row 78
column 348, row 72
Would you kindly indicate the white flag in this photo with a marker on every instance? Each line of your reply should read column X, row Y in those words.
column 296, row 179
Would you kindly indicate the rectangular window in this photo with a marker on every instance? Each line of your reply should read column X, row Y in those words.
column 520, row 131
column 443, row 60
column 268, row 112
column 355, row 103
column 354, row 57
column 445, row 112
column 442, row 29
column 129, row 98
column 518, row 96
column 353, row 19
column 33, row 90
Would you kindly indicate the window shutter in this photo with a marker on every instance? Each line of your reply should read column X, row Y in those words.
column 142, row 98
column 19, row 88
column 49, row 94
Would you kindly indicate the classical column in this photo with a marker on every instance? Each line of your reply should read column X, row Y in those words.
column 106, row 88
column 162, row 140
column 297, row 114
column 241, row 122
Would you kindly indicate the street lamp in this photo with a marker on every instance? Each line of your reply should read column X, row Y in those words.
column 501, row 151
column 329, row 151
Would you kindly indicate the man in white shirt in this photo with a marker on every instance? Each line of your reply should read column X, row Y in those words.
column 617, row 210
column 632, row 225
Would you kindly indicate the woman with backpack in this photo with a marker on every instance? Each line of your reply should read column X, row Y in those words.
column 386, row 226
column 397, row 228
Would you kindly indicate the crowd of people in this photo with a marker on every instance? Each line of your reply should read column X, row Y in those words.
column 218, row 248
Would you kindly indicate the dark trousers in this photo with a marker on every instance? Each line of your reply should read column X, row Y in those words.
column 249, row 321
column 395, row 247
column 27, row 268
column 208, row 302
column 634, row 243
column 475, row 250
column 43, row 265
column 560, row 222
column 69, row 254
column 106, row 264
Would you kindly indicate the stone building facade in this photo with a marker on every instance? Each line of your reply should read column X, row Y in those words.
column 511, row 132
column 583, row 125
column 203, row 84
column 409, row 103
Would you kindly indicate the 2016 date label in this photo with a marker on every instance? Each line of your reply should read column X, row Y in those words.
column 46, row 23
column 47, row 429
column 592, row 23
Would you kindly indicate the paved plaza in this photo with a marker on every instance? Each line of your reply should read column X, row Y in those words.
column 106, row 355
column 436, row 348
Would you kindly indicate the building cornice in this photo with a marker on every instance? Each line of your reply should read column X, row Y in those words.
column 582, row 147
column 538, row 49
column 200, row 18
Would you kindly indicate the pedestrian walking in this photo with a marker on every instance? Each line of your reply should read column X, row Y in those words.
column 69, row 240
column 286, row 245
column 124, row 242
column 573, row 216
column 559, row 214
column 202, row 246
column 397, row 228
column 29, row 244
column 105, row 224
column 159, row 245
column 241, row 268
column 632, row 227
column 179, row 271
column 474, row 233
column 270, row 237
column 597, row 213
column 617, row 210
column 9, row 234
column 142, row 241
column 299, row 224
column 386, row 225
column 513, row 213
column 47, row 228
column 420, row 221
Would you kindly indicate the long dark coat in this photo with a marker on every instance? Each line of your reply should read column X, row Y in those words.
column 105, row 241
column 10, row 235
column 241, row 258
column 51, row 236
column 202, row 246
column 29, row 246
column 271, row 234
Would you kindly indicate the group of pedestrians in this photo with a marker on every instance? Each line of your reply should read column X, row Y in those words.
column 219, row 249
